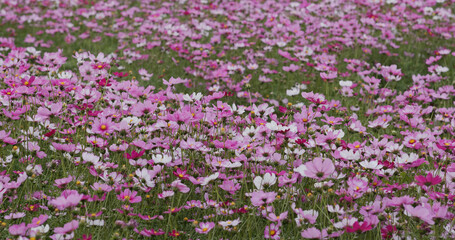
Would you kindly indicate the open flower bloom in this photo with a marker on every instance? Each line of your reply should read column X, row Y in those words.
column 319, row 169
column 128, row 196
column 267, row 180
column 205, row 228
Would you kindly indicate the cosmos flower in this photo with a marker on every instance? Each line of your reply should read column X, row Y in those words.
column 205, row 227
column 129, row 196
column 272, row 231
column 319, row 169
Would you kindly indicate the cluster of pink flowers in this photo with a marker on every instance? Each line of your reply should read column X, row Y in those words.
column 91, row 146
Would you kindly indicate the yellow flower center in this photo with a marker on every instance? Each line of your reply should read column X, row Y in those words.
column 103, row 127
column 205, row 229
column 272, row 233
column 412, row 141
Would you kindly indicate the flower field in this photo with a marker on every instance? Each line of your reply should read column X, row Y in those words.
column 211, row 119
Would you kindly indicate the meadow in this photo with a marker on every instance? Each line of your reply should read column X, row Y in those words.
column 247, row 119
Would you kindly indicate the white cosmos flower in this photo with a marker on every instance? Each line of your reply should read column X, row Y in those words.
column 39, row 230
column 239, row 110
column 96, row 222
column 406, row 158
column 65, row 75
column 193, row 97
column 293, row 91
column 90, row 157
column 441, row 69
column 132, row 120
column 301, row 86
column 147, row 176
column 350, row 155
column 229, row 222
column 252, row 66
column 346, row 83
column 268, row 179
column 275, row 127
column 335, row 209
column 345, row 222
column 162, row 158
column 301, row 169
column 210, row 178
column 371, row 164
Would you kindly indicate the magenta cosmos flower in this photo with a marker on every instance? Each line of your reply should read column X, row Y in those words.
column 319, row 168
column 429, row 180
column 357, row 227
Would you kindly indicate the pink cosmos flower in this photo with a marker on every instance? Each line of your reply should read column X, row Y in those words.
column 205, row 228
column 38, row 221
column 18, row 229
column 308, row 215
column 69, row 227
column 145, row 108
column 230, row 186
column 68, row 198
column 16, row 215
column 165, row 194
column 4, row 136
column 274, row 218
column 319, row 168
column 173, row 210
column 64, row 147
column 44, row 113
column 151, row 232
column 62, row 182
column 104, row 126
column 260, row 198
column 314, row 97
column 425, row 213
column 101, row 187
column 272, row 231
column 128, row 196
column 180, row 186
column 314, row 233
column 357, row 186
